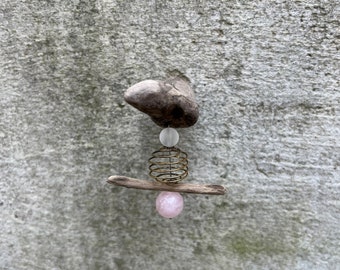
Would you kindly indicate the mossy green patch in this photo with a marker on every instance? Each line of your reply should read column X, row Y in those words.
column 244, row 245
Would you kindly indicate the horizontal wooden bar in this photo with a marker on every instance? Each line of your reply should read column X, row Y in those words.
column 128, row 182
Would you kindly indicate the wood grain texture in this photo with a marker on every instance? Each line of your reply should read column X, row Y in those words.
column 179, row 187
column 169, row 103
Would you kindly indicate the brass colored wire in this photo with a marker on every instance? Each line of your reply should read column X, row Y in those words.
column 168, row 165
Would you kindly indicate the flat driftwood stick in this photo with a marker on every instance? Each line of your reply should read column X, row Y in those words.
column 153, row 185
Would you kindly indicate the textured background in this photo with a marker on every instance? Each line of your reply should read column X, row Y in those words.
column 265, row 75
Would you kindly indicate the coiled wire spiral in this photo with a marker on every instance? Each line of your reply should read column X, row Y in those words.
column 168, row 165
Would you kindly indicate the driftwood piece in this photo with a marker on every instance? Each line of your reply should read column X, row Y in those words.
column 168, row 103
column 179, row 187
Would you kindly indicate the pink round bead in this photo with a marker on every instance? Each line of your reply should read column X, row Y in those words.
column 169, row 204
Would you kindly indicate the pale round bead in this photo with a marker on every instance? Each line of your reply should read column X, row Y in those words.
column 169, row 204
column 169, row 137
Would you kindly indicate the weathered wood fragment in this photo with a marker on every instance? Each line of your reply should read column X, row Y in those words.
column 168, row 103
column 179, row 187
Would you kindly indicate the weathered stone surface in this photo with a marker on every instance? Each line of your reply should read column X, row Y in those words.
column 169, row 103
column 266, row 77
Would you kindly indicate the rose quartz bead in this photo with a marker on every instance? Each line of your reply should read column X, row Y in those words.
column 169, row 204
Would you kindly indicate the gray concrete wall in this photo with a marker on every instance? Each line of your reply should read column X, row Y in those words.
column 265, row 75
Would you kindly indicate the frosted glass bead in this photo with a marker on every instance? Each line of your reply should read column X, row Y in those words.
column 169, row 204
column 169, row 137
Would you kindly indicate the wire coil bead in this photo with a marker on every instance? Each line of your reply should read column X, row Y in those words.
column 168, row 165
